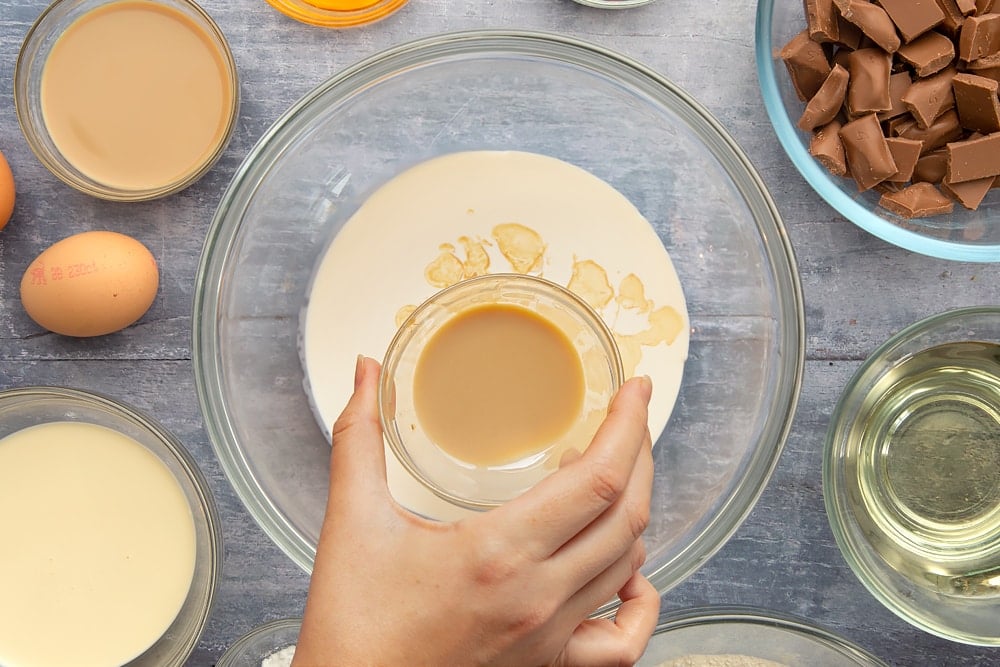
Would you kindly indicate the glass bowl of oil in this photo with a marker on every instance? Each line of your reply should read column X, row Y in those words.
column 911, row 475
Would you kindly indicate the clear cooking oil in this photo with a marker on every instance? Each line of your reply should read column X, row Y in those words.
column 923, row 468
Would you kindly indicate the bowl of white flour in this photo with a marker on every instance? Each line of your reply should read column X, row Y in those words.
column 748, row 637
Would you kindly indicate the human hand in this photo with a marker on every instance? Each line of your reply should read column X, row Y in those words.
column 511, row 586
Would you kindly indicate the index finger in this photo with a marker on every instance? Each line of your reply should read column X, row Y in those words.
column 547, row 516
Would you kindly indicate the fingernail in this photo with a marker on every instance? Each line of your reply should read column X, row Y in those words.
column 359, row 371
column 647, row 386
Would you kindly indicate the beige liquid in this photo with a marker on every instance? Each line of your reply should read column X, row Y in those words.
column 136, row 96
column 99, row 547
column 497, row 383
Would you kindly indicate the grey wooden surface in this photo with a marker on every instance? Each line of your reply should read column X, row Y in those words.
column 858, row 291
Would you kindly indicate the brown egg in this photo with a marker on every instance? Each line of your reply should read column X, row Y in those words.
column 6, row 192
column 90, row 284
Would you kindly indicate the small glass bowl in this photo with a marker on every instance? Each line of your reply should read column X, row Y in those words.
column 755, row 633
column 971, row 236
column 253, row 648
column 35, row 50
column 461, row 483
column 30, row 406
column 615, row 4
column 911, row 494
column 352, row 13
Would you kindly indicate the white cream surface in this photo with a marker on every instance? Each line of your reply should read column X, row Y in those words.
column 444, row 213
column 99, row 547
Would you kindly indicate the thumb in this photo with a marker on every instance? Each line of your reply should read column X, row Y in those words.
column 357, row 462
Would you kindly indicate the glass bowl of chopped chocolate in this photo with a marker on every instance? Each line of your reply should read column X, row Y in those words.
column 890, row 112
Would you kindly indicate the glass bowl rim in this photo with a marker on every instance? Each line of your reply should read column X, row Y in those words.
column 776, row 248
column 615, row 4
column 180, row 455
column 85, row 184
column 840, row 517
column 393, row 352
column 819, row 179
column 723, row 614
column 264, row 628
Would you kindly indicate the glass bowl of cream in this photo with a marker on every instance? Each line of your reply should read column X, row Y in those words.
column 490, row 383
column 119, row 544
column 148, row 126
column 489, row 152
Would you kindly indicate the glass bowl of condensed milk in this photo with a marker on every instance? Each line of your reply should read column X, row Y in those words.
column 116, row 540
column 126, row 100
column 493, row 381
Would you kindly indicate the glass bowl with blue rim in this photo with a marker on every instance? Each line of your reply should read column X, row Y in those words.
column 963, row 235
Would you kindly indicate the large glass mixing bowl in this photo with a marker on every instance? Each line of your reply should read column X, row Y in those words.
column 522, row 91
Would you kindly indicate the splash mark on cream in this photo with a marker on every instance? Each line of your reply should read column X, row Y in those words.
column 524, row 249
column 589, row 281
column 632, row 294
column 404, row 313
column 448, row 268
column 665, row 324
column 522, row 246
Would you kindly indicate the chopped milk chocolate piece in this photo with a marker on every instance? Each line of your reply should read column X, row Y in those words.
column 980, row 36
column 826, row 103
column 850, row 34
column 806, row 63
column 873, row 21
column 905, row 153
column 887, row 187
column 868, row 89
column 928, row 98
column 930, row 53
column 946, row 128
column 828, row 149
column 984, row 6
column 988, row 66
column 899, row 124
column 899, row 83
column 973, row 159
column 969, row 194
column 931, row 168
column 966, row 6
column 822, row 18
column 953, row 16
column 841, row 55
column 977, row 103
column 868, row 155
column 918, row 200
column 913, row 18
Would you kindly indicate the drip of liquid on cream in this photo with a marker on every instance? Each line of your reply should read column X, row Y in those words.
column 99, row 548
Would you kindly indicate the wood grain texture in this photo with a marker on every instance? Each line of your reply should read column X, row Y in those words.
column 858, row 291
